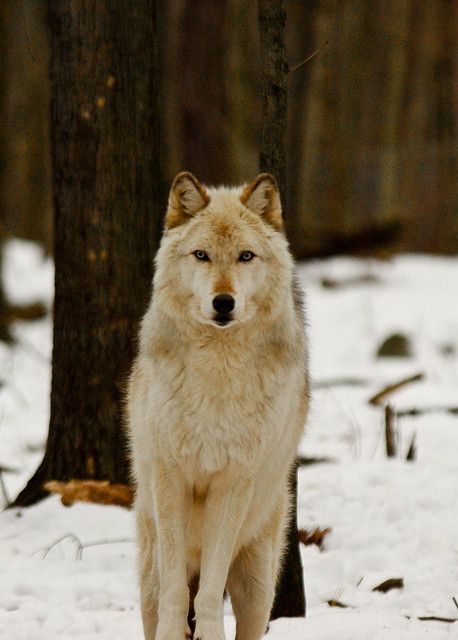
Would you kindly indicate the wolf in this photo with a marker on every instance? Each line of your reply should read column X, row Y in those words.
column 216, row 404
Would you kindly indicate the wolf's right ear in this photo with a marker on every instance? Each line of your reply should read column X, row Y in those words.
column 187, row 197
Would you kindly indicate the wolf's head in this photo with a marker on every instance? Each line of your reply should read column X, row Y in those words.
column 223, row 258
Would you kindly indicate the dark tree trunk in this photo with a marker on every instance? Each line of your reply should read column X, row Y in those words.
column 302, row 42
column 108, row 199
column 272, row 18
column 201, row 73
column 5, row 335
column 290, row 596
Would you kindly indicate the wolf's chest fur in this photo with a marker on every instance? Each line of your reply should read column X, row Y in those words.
column 218, row 401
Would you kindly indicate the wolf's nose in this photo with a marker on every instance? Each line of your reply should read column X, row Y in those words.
column 223, row 303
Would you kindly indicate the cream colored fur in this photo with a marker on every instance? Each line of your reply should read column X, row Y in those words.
column 215, row 413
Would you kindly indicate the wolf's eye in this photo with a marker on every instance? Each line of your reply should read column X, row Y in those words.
column 246, row 256
column 201, row 255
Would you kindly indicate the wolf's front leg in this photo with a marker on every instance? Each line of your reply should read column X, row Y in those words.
column 253, row 575
column 225, row 510
column 169, row 511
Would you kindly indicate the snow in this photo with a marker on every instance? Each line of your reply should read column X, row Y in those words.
column 70, row 572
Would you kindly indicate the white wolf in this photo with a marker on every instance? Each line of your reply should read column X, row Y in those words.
column 217, row 401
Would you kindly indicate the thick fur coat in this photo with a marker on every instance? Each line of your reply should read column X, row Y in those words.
column 217, row 401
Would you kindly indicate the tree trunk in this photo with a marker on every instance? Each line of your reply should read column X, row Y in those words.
column 290, row 597
column 108, row 199
column 5, row 335
column 302, row 42
column 272, row 18
column 204, row 120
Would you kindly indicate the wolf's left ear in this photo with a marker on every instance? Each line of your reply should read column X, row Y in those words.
column 187, row 197
column 263, row 197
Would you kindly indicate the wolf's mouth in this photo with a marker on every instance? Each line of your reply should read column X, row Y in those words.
column 222, row 319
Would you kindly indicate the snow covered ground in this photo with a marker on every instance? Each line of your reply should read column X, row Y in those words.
column 389, row 518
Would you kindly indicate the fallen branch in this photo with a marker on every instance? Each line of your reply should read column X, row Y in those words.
column 420, row 411
column 432, row 618
column 98, row 491
column 365, row 278
column 379, row 397
column 302, row 461
column 339, row 382
column 32, row 311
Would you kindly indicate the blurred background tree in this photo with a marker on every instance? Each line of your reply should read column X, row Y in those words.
column 25, row 149
column 372, row 132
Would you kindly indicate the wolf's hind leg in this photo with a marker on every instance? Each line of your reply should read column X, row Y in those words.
column 149, row 578
column 253, row 577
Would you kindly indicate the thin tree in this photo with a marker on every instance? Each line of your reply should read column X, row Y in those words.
column 108, row 200
column 290, row 597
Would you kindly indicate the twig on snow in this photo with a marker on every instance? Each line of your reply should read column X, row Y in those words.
column 388, row 585
column 99, row 543
column 334, row 283
column 433, row 618
column 337, row 603
column 390, row 434
column 80, row 546
column 71, row 536
column 420, row 411
column 316, row 536
column 381, row 396
column 412, row 451
column 303, row 461
column 339, row 382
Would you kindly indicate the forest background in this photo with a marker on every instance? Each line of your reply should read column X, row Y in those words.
column 372, row 127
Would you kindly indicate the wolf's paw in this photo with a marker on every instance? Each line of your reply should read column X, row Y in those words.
column 209, row 630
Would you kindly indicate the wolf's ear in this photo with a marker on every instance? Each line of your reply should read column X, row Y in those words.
column 263, row 197
column 187, row 197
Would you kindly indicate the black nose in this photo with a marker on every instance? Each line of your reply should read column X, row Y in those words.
column 223, row 303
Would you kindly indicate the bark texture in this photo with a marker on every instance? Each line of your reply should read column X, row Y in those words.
column 108, row 201
column 272, row 18
column 290, row 596
column 201, row 76
column 300, row 44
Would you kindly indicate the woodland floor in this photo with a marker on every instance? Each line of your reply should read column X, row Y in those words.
column 389, row 518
